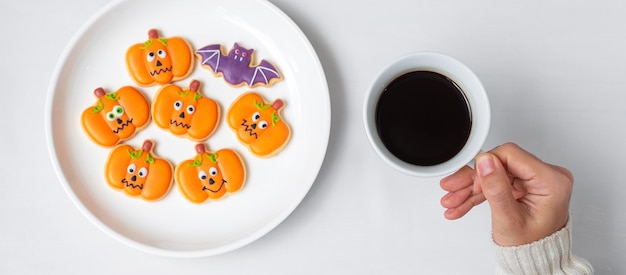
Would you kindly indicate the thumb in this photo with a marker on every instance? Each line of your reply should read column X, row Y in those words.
column 496, row 186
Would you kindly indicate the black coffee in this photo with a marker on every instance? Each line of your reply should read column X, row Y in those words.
column 423, row 118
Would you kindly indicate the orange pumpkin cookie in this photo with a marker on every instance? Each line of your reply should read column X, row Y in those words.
column 159, row 60
column 258, row 124
column 185, row 112
column 116, row 116
column 138, row 172
column 210, row 175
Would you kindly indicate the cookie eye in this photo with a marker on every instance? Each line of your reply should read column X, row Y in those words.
column 177, row 105
column 143, row 172
column 244, row 54
column 118, row 110
column 150, row 56
column 191, row 109
column 213, row 171
column 131, row 168
column 256, row 116
column 202, row 175
column 237, row 51
column 262, row 124
column 111, row 116
column 161, row 53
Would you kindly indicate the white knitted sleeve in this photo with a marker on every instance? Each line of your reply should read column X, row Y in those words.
column 550, row 255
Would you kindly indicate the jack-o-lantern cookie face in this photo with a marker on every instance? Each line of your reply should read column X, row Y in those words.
column 258, row 124
column 159, row 60
column 138, row 172
column 116, row 116
column 185, row 112
column 210, row 175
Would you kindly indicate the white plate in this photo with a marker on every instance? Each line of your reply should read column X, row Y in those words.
column 174, row 226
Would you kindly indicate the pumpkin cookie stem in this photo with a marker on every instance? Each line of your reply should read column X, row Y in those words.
column 147, row 146
column 99, row 92
column 194, row 86
column 200, row 148
column 278, row 103
column 153, row 33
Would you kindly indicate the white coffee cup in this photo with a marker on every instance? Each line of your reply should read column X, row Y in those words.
column 465, row 79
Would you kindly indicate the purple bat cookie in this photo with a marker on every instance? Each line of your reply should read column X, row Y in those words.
column 236, row 67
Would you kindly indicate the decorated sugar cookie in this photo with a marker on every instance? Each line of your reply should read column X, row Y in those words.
column 210, row 176
column 185, row 112
column 237, row 66
column 116, row 116
column 159, row 60
column 138, row 172
column 258, row 124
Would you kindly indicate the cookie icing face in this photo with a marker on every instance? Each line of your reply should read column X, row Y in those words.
column 116, row 116
column 138, row 172
column 159, row 60
column 258, row 124
column 185, row 112
column 210, row 175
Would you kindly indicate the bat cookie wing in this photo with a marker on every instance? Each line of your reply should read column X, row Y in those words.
column 211, row 56
column 264, row 74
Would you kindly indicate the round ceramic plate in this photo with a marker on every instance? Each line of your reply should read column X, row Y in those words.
column 173, row 226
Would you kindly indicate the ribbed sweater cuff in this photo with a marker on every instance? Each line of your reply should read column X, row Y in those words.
column 550, row 255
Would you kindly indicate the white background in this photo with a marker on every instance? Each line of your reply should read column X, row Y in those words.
column 555, row 72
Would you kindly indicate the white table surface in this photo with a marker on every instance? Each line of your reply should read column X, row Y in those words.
column 555, row 72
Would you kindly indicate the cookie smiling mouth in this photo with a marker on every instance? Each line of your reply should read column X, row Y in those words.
column 179, row 124
column 211, row 181
column 162, row 70
column 131, row 185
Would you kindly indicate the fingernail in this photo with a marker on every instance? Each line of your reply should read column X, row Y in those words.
column 485, row 165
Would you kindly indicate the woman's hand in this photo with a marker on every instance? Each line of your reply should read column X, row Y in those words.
column 529, row 199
